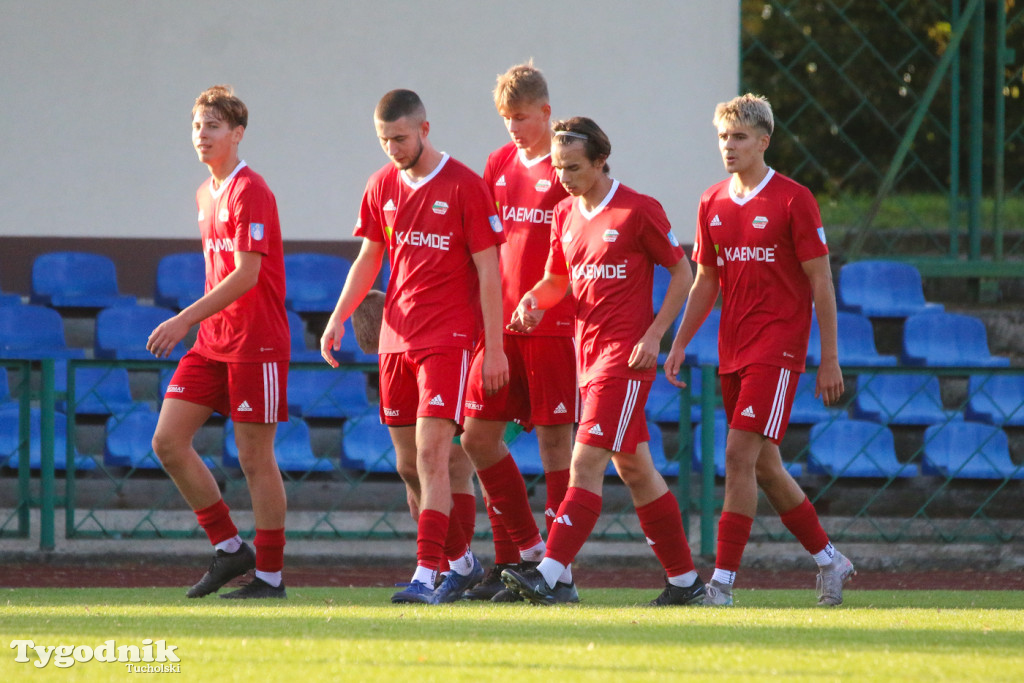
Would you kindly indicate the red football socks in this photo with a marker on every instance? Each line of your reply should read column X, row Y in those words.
column 431, row 531
column 269, row 550
column 577, row 517
column 506, row 491
column 733, row 534
column 662, row 523
column 556, row 483
column 216, row 522
column 802, row 521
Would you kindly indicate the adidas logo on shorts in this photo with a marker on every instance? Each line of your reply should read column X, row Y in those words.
column 748, row 412
column 437, row 401
column 595, row 430
column 244, row 407
column 560, row 409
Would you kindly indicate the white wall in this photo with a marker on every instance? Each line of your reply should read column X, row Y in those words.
column 96, row 98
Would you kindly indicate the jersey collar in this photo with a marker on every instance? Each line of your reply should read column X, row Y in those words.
column 420, row 183
column 760, row 186
column 530, row 163
column 227, row 181
column 589, row 215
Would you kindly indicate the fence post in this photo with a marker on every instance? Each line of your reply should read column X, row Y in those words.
column 46, row 469
column 707, row 458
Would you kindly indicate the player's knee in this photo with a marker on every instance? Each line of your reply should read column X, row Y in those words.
column 168, row 448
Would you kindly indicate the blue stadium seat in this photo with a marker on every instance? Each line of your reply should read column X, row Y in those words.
column 67, row 279
column 366, row 446
column 806, row 408
column 968, row 450
column 855, row 448
column 526, row 452
column 901, row 399
column 328, row 392
column 98, row 391
column 5, row 389
column 9, row 452
column 314, row 281
column 662, row 463
column 292, row 448
column 123, row 331
column 947, row 340
column 996, row 399
column 300, row 352
column 882, row 289
column 856, row 342
column 795, row 469
column 180, row 279
column 663, row 400
column 703, row 348
column 33, row 332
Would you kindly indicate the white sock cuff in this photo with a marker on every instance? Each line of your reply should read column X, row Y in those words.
column 231, row 545
column 684, row 580
column 550, row 570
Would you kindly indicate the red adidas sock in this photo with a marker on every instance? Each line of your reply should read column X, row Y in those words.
column 662, row 523
column 464, row 510
column 733, row 534
column 431, row 530
column 269, row 550
column 506, row 491
column 505, row 551
column 802, row 521
column 455, row 543
column 577, row 517
column 556, row 483
column 216, row 522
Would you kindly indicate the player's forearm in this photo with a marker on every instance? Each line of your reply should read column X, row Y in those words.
column 819, row 274
column 550, row 290
column 679, row 285
column 699, row 303
column 490, row 305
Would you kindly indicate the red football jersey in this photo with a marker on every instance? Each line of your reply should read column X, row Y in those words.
column 609, row 256
column 431, row 228
column 241, row 215
column 526, row 192
column 757, row 243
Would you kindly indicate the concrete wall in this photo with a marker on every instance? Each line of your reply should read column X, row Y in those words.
column 94, row 127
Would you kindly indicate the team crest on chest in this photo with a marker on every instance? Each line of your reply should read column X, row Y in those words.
column 543, row 185
column 440, row 208
column 760, row 222
column 610, row 235
column 223, row 217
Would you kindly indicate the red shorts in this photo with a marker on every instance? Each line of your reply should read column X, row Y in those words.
column 764, row 395
column 542, row 383
column 423, row 383
column 245, row 392
column 613, row 414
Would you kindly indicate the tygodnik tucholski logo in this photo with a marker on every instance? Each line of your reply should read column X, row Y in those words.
column 152, row 656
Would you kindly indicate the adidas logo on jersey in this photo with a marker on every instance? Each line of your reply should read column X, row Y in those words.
column 437, row 401
column 649, row 541
column 501, row 182
column 560, row 409
column 244, row 407
column 748, row 412
column 564, row 519
column 595, row 430
column 390, row 206
column 715, row 221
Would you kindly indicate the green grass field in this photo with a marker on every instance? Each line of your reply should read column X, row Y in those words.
column 324, row 634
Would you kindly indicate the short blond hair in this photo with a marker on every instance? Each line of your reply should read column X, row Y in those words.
column 521, row 84
column 746, row 110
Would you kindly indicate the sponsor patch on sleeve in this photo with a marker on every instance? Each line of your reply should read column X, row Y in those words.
column 495, row 223
column 256, row 231
column 821, row 235
column 672, row 239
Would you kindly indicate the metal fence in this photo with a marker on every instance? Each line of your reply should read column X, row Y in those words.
column 896, row 477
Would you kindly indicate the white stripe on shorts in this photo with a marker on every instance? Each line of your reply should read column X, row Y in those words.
column 463, row 374
column 271, row 393
column 778, row 405
column 632, row 390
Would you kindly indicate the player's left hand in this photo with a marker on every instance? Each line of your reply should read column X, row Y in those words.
column 495, row 371
column 645, row 353
column 166, row 336
column 829, row 384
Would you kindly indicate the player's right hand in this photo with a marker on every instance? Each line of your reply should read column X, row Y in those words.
column 331, row 340
column 527, row 316
column 673, row 363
